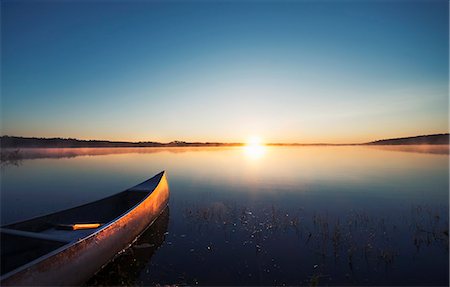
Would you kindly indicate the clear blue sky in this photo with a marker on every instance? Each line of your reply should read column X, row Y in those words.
column 297, row 71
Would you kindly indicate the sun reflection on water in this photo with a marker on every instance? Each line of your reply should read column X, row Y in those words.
column 254, row 149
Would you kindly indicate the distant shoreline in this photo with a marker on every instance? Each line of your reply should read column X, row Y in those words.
column 32, row 142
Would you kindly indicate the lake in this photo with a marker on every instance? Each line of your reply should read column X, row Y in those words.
column 308, row 215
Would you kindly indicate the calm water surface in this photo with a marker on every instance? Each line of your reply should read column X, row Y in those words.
column 259, row 216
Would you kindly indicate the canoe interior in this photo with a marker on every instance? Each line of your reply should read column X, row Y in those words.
column 28, row 240
column 18, row 250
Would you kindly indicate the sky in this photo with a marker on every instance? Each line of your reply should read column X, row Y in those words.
column 285, row 71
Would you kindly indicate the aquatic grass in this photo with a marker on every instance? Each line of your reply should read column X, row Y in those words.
column 352, row 239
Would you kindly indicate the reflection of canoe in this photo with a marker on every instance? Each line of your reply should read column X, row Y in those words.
column 125, row 269
column 59, row 249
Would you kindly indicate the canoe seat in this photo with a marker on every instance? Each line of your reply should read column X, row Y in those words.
column 52, row 234
column 78, row 226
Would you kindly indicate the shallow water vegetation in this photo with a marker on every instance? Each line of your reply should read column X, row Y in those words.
column 428, row 227
column 354, row 239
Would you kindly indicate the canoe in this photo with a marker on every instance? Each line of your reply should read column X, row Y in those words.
column 70, row 246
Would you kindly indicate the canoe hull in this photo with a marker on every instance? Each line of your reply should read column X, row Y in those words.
column 76, row 263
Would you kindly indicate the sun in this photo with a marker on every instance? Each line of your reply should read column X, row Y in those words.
column 254, row 141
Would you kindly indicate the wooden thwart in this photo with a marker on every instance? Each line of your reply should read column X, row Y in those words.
column 78, row 226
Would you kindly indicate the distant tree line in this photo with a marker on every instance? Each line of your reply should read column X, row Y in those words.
column 427, row 139
column 31, row 142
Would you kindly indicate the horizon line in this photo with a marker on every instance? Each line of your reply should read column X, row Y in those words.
column 222, row 143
